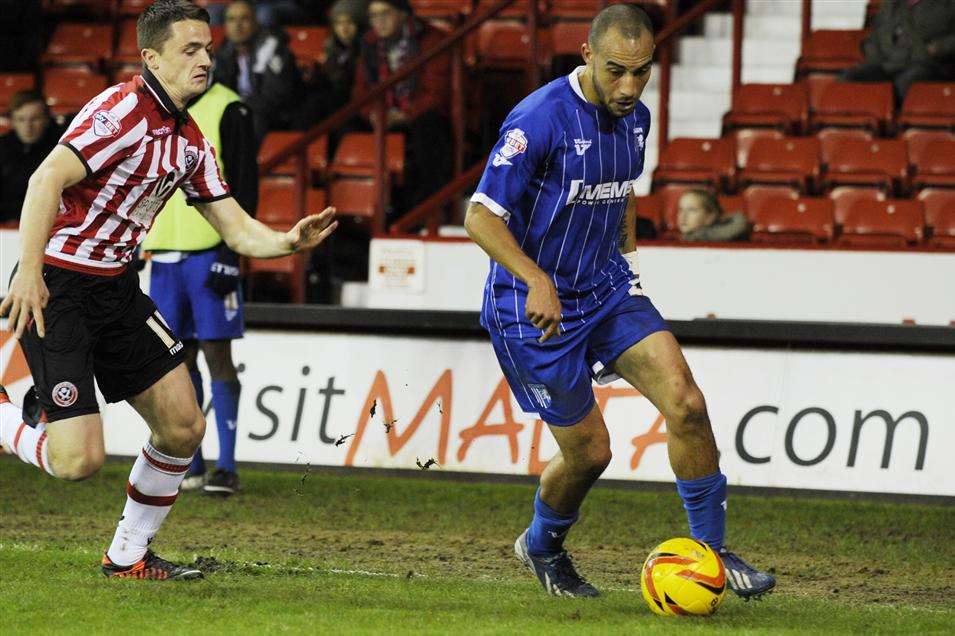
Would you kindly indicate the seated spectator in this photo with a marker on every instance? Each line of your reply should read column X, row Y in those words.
column 331, row 86
column 700, row 218
column 259, row 66
column 911, row 41
column 23, row 149
column 418, row 106
column 348, row 20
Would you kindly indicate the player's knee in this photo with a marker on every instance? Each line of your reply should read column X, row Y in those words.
column 600, row 457
column 688, row 415
column 77, row 466
column 184, row 436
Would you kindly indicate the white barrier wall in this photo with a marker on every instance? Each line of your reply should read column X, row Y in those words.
column 830, row 421
column 692, row 282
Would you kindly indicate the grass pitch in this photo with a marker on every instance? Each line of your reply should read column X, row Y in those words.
column 326, row 553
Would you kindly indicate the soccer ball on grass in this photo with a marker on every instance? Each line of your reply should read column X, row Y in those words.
column 683, row 576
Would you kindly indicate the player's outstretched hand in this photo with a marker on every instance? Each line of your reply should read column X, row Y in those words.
column 543, row 307
column 25, row 302
column 312, row 230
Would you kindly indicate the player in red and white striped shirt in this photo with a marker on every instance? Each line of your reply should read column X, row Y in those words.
column 77, row 308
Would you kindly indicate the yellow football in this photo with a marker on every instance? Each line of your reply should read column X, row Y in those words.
column 683, row 576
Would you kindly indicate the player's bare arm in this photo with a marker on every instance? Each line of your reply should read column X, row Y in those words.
column 249, row 237
column 489, row 231
column 628, row 231
column 28, row 294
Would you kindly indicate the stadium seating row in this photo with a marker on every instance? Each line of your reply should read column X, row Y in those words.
column 811, row 165
column 847, row 217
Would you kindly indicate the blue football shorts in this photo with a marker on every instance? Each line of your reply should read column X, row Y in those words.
column 192, row 310
column 554, row 378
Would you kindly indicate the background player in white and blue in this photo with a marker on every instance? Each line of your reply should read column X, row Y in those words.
column 563, row 301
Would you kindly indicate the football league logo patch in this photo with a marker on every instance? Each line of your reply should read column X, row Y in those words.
column 515, row 143
column 105, row 124
column 65, row 394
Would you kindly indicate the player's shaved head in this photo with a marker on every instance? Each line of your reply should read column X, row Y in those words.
column 628, row 21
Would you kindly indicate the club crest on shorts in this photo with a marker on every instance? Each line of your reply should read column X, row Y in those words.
column 65, row 394
column 541, row 394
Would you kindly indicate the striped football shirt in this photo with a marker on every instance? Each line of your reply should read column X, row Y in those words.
column 137, row 148
column 560, row 175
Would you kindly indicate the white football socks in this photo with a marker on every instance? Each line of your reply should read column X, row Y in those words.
column 21, row 439
column 152, row 489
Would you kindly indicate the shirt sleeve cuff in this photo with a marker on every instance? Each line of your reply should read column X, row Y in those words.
column 79, row 155
column 195, row 200
column 490, row 204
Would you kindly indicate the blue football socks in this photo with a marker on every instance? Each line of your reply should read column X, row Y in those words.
column 198, row 465
column 705, row 502
column 225, row 402
column 545, row 537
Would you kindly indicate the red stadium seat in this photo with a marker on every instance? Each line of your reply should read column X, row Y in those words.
column 307, row 44
column 916, row 140
column 286, row 273
column 944, row 235
column 277, row 201
column 855, row 105
column 316, row 154
column 506, row 44
column 127, row 50
column 92, row 8
column 758, row 197
column 516, row 11
column 692, row 160
column 828, row 136
column 587, row 9
column 881, row 163
column 649, row 207
column 88, row 44
column 353, row 197
column 793, row 220
column 68, row 90
column 931, row 105
column 781, row 106
column 936, row 165
column 791, row 161
column 355, row 155
column 830, row 51
column 440, row 8
column 566, row 37
column 743, row 139
column 844, row 197
column 133, row 7
column 936, row 201
column 889, row 223
column 12, row 83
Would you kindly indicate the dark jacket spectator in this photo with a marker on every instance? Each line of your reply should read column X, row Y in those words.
column 419, row 105
column 911, row 41
column 23, row 149
column 260, row 67
column 700, row 218
column 348, row 19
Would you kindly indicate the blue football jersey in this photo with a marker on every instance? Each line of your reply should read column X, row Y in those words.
column 560, row 175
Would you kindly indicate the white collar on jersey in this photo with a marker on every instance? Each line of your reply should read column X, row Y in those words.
column 574, row 79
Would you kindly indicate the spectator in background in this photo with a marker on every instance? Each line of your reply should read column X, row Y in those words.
column 348, row 19
column 700, row 218
column 331, row 86
column 911, row 41
column 23, row 149
column 259, row 66
column 419, row 106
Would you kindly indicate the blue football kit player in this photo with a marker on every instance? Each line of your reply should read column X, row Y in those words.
column 563, row 302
